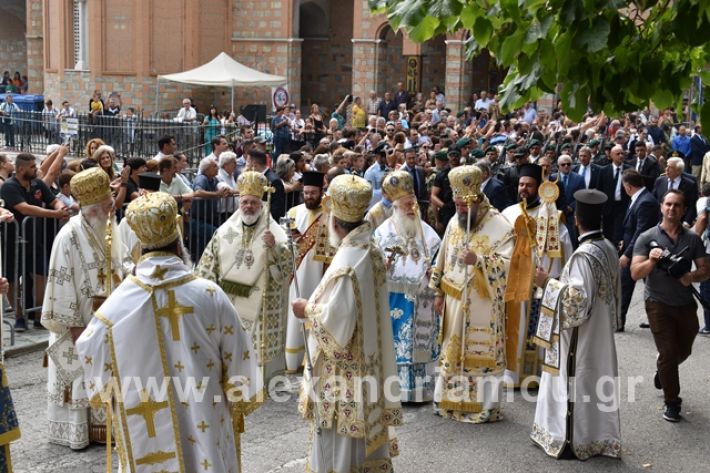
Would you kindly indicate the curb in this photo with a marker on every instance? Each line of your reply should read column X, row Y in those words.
column 29, row 348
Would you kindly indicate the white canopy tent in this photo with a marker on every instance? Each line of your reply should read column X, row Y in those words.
column 222, row 71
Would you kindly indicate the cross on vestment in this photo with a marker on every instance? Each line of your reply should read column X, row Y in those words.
column 173, row 311
column 203, row 426
column 70, row 356
column 147, row 410
column 62, row 275
column 231, row 235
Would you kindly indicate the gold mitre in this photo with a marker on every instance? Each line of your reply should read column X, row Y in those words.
column 466, row 181
column 349, row 197
column 91, row 186
column 252, row 183
column 153, row 218
column 398, row 184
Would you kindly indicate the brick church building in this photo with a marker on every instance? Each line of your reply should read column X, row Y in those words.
column 325, row 49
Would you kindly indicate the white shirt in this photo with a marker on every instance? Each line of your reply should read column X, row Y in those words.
column 586, row 173
column 483, row 103
column 674, row 183
column 185, row 115
column 617, row 192
column 636, row 195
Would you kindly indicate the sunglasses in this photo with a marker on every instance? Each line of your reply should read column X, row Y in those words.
column 565, row 164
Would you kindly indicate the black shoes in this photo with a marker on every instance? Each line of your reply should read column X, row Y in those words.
column 657, row 381
column 644, row 325
column 672, row 414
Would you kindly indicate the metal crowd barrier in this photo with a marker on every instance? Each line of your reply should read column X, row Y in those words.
column 129, row 136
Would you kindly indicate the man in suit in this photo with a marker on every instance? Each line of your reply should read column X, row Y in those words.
column 571, row 183
column 675, row 178
column 417, row 173
column 257, row 162
column 492, row 187
column 698, row 147
column 587, row 169
column 511, row 174
column 646, row 165
column 618, row 200
column 643, row 214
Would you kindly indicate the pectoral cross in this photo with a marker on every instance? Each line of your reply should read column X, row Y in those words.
column 173, row 311
column 102, row 278
column 70, row 356
column 147, row 410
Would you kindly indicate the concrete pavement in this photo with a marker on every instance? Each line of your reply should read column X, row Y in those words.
column 276, row 437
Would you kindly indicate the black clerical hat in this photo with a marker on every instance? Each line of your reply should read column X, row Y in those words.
column 590, row 203
column 149, row 181
column 531, row 170
column 313, row 178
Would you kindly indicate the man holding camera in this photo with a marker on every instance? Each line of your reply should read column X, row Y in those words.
column 663, row 255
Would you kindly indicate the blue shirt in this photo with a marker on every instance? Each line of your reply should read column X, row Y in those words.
column 281, row 132
column 681, row 144
column 205, row 209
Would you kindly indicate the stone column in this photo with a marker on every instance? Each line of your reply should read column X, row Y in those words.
column 35, row 46
column 455, row 88
column 365, row 66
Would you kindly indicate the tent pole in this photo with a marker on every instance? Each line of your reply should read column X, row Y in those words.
column 157, row 95
column 232, row 96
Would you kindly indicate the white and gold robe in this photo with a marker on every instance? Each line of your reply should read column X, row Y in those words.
column 469, row 387
column 350, row 343
column 579, row 334
column 411, row 303
column 378, row 213
column 313, row 254
column 256, row 280
column 77, row 259
column 167, row 349
column 528, row 357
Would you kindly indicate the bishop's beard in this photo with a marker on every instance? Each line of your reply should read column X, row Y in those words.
column 405, row 223
column 250, row 219
column 184, row 254
column 462, row 218
column 333, row 239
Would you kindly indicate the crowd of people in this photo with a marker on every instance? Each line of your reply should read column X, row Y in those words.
column 16, row 84
column 458, row 254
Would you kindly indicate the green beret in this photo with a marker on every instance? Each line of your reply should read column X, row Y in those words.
column 442, row 155
column 533, row 143
column 491, row 148
column 510, row 146
column 465, row 141
column 594, row 142
column 477, row 153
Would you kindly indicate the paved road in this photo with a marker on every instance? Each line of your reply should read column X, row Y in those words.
column 276, row 438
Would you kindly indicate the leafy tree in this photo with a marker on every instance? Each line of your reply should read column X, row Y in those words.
column 613, row 55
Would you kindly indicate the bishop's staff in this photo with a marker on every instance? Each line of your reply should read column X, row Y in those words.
column 267, row 219
column 286, row 223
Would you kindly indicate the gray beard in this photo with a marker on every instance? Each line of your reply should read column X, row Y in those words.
column 250, row 219
column 333, row 239
column 184, row 254
column 405, row 223
column 462, row 219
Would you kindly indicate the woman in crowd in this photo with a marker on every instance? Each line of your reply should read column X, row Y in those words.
column 91, row 146
column 286, row 169
column 212, row 124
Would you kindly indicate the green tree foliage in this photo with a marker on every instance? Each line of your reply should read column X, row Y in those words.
column 614, row 55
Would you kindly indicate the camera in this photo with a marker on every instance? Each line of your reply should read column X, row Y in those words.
column 673, row 264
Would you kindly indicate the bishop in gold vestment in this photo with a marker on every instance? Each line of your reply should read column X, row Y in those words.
column 249, row 258
column 470, row 277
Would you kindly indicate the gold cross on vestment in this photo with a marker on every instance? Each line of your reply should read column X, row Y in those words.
column 203, row 426
column 159, row 272
column 147, row 410
column 179, row 366
column 211, row 329
column 211, row 291
column 102, row 278
column 173, row 311
column 229, row 330
column 206, row 464
column 195, row 347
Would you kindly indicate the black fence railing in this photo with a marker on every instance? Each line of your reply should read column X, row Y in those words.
column 26, row 247
column 129, row 136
